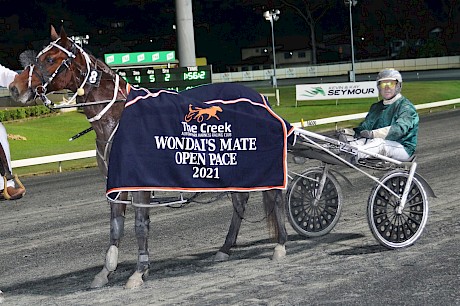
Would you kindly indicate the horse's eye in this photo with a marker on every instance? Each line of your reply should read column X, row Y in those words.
column 49, row 60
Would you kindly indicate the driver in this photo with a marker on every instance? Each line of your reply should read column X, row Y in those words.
column 391, row 125
column 6, row 77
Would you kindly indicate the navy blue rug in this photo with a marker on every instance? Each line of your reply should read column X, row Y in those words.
column 219, row 137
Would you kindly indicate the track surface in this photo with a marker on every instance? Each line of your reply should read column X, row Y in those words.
column 53, row 242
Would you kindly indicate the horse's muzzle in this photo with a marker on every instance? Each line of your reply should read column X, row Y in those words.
column 17, row 96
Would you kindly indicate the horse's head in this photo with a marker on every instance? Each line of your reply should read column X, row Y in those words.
column 65, row 65
column 60, row 65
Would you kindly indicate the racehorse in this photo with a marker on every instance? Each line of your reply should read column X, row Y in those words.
column 65, row 65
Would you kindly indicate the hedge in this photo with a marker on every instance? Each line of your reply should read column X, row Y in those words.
column 23, row 112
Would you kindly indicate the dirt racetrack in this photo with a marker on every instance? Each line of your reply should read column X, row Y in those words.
column 53, row 242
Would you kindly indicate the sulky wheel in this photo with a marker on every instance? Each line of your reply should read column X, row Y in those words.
column 309, row 216
column 392, row 229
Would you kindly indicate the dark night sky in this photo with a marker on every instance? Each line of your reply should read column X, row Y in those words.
column 222, row 27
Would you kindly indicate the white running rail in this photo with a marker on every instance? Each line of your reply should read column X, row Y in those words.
column 59, row 158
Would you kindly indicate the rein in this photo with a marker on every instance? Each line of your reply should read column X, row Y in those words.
column 83, row 104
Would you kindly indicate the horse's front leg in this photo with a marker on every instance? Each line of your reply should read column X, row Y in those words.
column 239, row 200
column 142, row 226
column 117, row 222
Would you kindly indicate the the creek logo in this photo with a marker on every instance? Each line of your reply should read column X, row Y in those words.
column 198, row 113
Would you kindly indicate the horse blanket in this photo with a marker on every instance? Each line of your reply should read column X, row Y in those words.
column 218, row 137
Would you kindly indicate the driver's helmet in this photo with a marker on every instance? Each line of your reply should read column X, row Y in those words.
column 390, row 74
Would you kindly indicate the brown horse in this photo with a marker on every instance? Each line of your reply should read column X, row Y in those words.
column 65, row 65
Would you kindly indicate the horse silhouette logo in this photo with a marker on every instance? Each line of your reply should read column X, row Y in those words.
column 198, row 113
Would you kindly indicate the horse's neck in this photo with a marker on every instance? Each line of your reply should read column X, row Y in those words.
column 107, row 90
column 104, row 117
column 105, row 125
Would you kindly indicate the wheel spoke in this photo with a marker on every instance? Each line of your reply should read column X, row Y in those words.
column 408, row 227
column 412, row 219
column 412, row 196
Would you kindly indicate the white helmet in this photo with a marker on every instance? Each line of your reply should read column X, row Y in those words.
column 390, row 74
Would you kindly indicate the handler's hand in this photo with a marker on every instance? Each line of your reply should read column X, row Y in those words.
column 348, row 132
column 366, row 134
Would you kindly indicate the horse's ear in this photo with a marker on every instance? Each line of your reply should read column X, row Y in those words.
column 63, row 33
column 54, row 34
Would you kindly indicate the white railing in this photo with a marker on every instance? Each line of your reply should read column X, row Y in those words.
column 362, row 115
column 59, row 158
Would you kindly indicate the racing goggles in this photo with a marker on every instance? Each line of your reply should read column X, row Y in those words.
column 390, row 83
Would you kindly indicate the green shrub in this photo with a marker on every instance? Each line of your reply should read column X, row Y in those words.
column 20, row 113
column 23, row 112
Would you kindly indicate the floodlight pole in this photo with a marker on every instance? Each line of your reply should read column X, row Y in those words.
column 272, row 16
column 350, row 3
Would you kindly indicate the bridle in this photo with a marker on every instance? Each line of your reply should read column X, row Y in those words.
column 91, row 77
column 41, row 90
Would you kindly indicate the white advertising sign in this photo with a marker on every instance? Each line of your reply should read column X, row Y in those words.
column 333, row 91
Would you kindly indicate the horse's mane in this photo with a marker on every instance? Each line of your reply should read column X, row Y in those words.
column 98, row 62
column 105, row 68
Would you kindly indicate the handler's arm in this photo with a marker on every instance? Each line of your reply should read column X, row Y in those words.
column 6, row 76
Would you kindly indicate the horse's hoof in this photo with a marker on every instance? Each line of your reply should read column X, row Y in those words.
column 101, row 279
column 135, row 280
column 280, row 252
column 221, row 256
column 111, row 258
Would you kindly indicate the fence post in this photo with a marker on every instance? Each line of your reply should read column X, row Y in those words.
column 277, row 95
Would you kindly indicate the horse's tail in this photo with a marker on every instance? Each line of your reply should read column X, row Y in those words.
column 273, row 200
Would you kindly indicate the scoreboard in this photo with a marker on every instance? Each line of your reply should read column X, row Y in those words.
column 178, row 79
